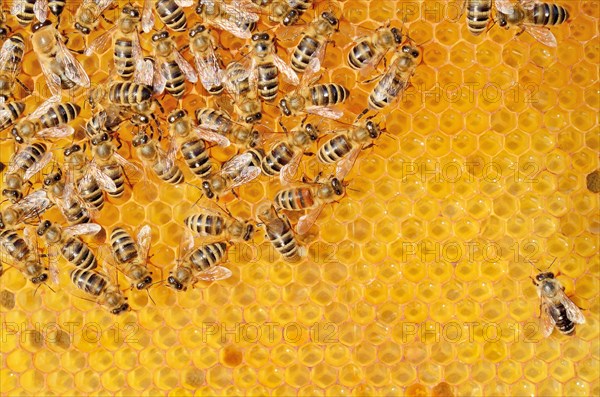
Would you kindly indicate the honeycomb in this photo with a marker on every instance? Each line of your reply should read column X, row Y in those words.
column 416, row 283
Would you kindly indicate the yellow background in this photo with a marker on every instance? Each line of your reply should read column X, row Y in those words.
column 416, row 283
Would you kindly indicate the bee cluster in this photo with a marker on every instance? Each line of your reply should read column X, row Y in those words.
column 145, row 95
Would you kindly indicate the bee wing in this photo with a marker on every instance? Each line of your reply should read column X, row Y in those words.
column 102, row 4
column 246, row 175
column 288, row 73
column 234, row 21
column 73, row 69
column 52, row 79
column 34, row 204
column 40, row 10
column 306, row 221
column 286, row 175
column 504, row 6
column 215, row 273
column 371, row 66
column 134, row 173
column 61, row 131
column 18, row 7
column 547, row 322
column 44, row 107
column 345, row 165
column 186, row 68
column 147, row 16
column 543, row 35
column 186, row 244
column 573, row 312
column 144, row 72
column 101, row 43
column 184, row 3
column 211, row 136
column 528, row 4
column 38, row 166
column 8, row 58
column 143, row 242
column 167, row 159
column 159, row 81
column 209, row 70
column 84, row 228
column 103, row 180
column 325, row 111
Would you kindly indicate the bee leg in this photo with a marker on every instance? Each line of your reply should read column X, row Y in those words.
column 283, row 127
column 119, row 142
column 308, row 153
column 27, row 90
column 108, row 20
column 361, row 114
column 521, row 31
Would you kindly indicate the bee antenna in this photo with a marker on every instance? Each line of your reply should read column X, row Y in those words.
column 150, row 296
column 49, row 287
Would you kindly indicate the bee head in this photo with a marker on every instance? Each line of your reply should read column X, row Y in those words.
column 176, row 115
column 313, row 133
column 144, row 283
column 71, row 149
column 100, row 138
column 131, row 11
column 118, row 310
column 160, row 36
column 283, row 105
column 196, row 30
column 337, row 186
column 543, row 276
column 13, row 195
column 253, row 118
column 39, row 25
column 140, row 139
column 413, row 52
column 39, row 279
column 373, row 130
column 53, row 178
column 397, row 35
column 43, row 227
column 17, row 137
column 291, row 17
column 207, row 189
column 82, row 29
column 502, row 20
column 329, row 17
column 173, row 282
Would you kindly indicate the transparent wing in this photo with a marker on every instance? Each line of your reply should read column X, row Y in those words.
column 103, row 5
column 504, row 6
column 288, row 171
column 40, row 10
column 186, row 68
column 209, row 70
column 573, row 312
column 288, row 73
column 325, row 111
column 528, row 4
column 8, row 60
column 84, row 228
column 345, row 165
column 143, row 242
column 44, row 107
column 103, row 180
column 144, row 72
column 306, row 221
column 147, row 16
column 211, row 136
column 159, row 82
column 134, row 173
column 34, row 205
column 547, row 322
column 52, row 79
column 167, row 159
column 73, row 69
column 185, row 245
column 61, row 131
column 543, row 35
column 388, row 87
column 184, row 3
column 311, row 73
column 237, row 162
column 18, row 7
column 37, row 167
column 215, row 273
column 234, row 23
column 101, row 43
column 246, row 175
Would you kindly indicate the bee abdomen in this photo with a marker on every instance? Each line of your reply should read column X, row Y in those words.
column 268, row 81
column 303, row 53
column 14, row 244
column 171, row 14
column 334, row 149
column 175, row 79
column 196, row 157
column 208, row 256
column 284, row 242
column 76, row 214
column 93, row 195
column 60, row 114
column 478, row 15
column 15, row 110
column 294, row 199
column 126, row 93
column 123, row 246
column 328, row 94
column 56, row 6
column 171, row 175
column 123, row 58
column 205, row 224
column 563, row 323
column 76, row 252
column 279, row 156
column 115, row 173
column 88, row 281
column 359, row 55
column 25, row 15
column 549, row 14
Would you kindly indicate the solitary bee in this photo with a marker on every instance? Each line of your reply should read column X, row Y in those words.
column 315, row 99
column 11, row 60
column 29, row 207
column 23, row 254
column 106, row 291
column 246, row 103
column 286, row 12
column 61, row 192
column 163, row 164
column 170, row 13
column 556, row 309
column 211, row 223
column 533, row 16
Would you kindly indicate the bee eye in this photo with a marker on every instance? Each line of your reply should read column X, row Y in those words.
column 415, row 54
column 406, row 49
column 255, row 37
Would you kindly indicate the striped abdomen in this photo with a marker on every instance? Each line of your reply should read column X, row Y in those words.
column 91, row 193
column 79, row 254
column 206, row 225
column 303, row 53
column 56, row 6
column 268, row 81
column 281, row 236
column 30, row 155
column 360, row 54
column 196, row 157
column 89, row 281
column 63, row 113
column 171, row 14
column 278, row 157
column 328, row 94
column 123, row 246
column 334, row 149
column 207, row 256
column 563, row 323
column 126, row 93
column 123, row 57
column 175, row 79
column 380, row 97
column 478, row 15
column 76, row 214
column 12, row 65
column 14, row 245
column 294, row 199
column 171, row 175
column 115, row 172
column 25, row 14
column 549, row 14
column 10, row 112
column 215, row 119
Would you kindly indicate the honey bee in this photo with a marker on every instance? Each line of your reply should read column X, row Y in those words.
column 99, row 286
column 345, row 146
column 24, row 255
column 213, row 224
column 479, row 13
column 286, row 12
column 23, row 165
column 104, row 120
column 91, row 181
column 236, row 18
column 163, row 164
column 533, row 16
column 87, row 16
column 10, row 112
column 132, row 256
column 181, row 126
column 246, row 104
column 203, row 46
column 122, row 93
column 61, row 69
column 11, row 60
column 49, row 121
column 30, row 206
column 171, row 69
column 124, row 37
column 25, row 10
column 202, row 263
column 266, row 65
column 113, row 164
column 313, row 43
column 240, row 133
column 238, row 171
column 395, row 80
column 170, row 13
column 315, row 99
column 279, row 232
column 62, row 195
column 370, row 50
column 284, row 157
column 556, row 309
